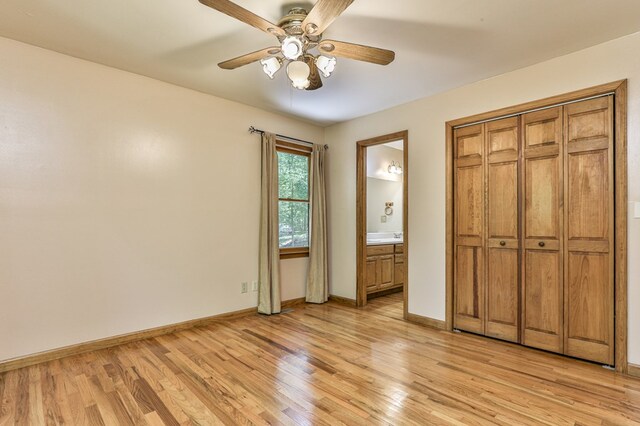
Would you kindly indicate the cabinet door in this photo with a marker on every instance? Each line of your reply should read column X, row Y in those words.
column 469, row 214
column 542, row 189
column 502, row 292
column 398, row 274
column 387, row 267
column 589, row 288
column 372, row 274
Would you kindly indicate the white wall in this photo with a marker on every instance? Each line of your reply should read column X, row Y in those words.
column 382, row 187
column 379, row 192
column 379, row 157
column 425, row 120
column 125, row 203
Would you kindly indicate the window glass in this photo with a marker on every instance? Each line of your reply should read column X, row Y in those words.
column 293, row 209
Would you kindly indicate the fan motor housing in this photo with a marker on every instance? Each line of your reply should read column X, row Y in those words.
column 294, row 14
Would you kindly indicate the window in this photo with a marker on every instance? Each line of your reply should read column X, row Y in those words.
column 293, row 200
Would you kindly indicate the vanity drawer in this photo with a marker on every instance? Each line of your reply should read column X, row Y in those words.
column 399, row 248
column 378, row 250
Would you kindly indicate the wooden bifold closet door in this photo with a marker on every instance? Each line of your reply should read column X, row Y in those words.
column 534, row 229
column 469, row 229
column 503, row 243
column 542, row 210
column 588, row 255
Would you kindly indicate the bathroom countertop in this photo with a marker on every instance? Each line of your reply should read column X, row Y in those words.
column 380, row 241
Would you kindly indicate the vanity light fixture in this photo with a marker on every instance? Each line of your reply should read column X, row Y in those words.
column 394, row 168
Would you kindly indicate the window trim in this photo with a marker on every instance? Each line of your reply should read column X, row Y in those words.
column 296, row 149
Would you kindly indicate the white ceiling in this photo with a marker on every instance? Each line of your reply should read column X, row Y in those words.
column 439, row 44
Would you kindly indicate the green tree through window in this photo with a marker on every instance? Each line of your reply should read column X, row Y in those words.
column 293, row 209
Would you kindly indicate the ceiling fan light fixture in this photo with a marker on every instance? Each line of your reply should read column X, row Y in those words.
column 292, row 48
column 271, row 65
column 298, row 72
column 326, row 65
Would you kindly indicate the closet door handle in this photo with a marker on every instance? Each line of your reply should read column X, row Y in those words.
column 541, row 243
column 503, row 243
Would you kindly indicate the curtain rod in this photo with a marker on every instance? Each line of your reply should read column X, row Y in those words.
column 254, row 130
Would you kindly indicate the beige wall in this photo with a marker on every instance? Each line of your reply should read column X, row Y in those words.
column 383, row 187
column 425, row 120
column 125, row 203
column 380, row 192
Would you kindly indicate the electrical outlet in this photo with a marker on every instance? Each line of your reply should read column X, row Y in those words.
column 383, row 219
column 244, row 287
column 254, row 286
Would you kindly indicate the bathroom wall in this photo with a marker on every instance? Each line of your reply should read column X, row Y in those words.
column 383, row 187
column 380, row 191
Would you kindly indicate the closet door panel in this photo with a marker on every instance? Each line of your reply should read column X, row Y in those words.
column 588, row 334
column 543, row 300
column 502, row 294
column 470, row 201
column 503, row 200
column 542, row 198
column 502, row 289
column 588, row 195
column 543, row 221
column 469, row 224
column 589, row 292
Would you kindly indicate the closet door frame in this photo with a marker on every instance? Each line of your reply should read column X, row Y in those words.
column 619, row 90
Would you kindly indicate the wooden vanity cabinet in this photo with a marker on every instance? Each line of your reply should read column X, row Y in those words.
column 385, row 267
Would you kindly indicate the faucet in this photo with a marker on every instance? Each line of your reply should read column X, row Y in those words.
column 397, row 235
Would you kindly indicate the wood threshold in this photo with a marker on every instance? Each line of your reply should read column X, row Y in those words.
column 426, row 321
column 107, row 342
column 619, row 89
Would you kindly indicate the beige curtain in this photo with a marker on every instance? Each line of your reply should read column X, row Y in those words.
column 269, row 258
column 318, row 277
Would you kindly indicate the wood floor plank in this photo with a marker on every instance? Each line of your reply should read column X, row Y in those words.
column 325, row 364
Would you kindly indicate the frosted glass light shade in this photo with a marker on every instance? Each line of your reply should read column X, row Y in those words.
column 270, row 66
column 298, row 73
column 394, row 168
column 292, row 48
column 325, row 65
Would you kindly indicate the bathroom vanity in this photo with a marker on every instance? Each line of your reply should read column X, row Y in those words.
column 385, row 265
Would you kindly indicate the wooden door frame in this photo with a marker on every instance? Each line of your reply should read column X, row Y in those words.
column 361, row 212
column 619, row 90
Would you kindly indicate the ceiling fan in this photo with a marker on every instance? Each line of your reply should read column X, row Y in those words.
column 298, row 33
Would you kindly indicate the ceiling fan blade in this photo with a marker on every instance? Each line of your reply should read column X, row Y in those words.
column 357, row 52
column 323, row 14
column 242, row 14
column 248, row 58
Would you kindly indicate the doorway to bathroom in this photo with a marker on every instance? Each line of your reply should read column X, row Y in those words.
column 382, row 225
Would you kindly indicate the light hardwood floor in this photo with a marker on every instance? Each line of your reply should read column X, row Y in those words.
column 320, row 364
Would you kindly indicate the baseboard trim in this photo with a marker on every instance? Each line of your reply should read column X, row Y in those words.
column 426, row 321
column 633, row 370
column 285, row 304
column 107, row 342
column 342, row 300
